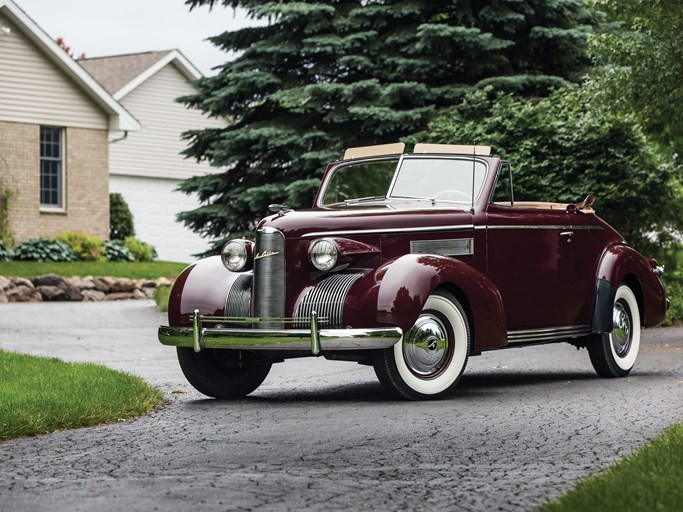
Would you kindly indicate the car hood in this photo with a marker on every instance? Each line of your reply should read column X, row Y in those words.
column 344, row 220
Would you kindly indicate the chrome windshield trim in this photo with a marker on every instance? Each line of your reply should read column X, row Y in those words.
column 459, row 227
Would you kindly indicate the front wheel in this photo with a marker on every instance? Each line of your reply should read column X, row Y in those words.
column 220, row 373
column 614, row 354
column 430, row 358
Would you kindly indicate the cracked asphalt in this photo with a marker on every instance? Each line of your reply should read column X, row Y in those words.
column 522, row 427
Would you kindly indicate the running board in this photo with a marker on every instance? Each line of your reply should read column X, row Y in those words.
column 546, row 335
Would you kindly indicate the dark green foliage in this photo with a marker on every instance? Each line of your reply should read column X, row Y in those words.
column 120, row 218
column 85, row 248
column 640, row 60
column 323, row 76
column 563, row 148
column 117, row 251
column 43, row 249
column 140, row 250
column 6, row 253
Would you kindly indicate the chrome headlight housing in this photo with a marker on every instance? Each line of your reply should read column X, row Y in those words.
column 234, row 256
column 324, row 254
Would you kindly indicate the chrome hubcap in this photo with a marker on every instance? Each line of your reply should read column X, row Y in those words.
column 621, row 333
column 425, row 346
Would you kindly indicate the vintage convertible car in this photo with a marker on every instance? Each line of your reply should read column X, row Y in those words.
column 412, row 263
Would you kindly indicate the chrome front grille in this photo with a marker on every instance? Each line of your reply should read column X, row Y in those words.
column 327, row 299
column 269, row 277
column 238, row 301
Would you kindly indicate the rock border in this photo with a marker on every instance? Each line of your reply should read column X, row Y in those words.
column 52, row 287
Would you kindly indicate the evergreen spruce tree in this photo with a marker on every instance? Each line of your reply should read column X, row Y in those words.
column 322, row 76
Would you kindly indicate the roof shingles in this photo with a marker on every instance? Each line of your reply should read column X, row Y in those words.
column 113, row 73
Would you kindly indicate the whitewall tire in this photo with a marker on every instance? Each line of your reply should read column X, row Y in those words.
column 429, row 360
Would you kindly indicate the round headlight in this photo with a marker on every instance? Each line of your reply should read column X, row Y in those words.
column 234, row 256
column 324, row 255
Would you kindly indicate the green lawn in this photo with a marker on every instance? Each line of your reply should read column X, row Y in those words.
column 40, row 395
column 134, row 270
column 651, row 479
column 161, row 295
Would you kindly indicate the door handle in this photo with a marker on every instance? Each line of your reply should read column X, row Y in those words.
column 567, row 233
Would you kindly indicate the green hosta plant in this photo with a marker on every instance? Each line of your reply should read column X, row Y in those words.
column 116, row 251
column 43, row 249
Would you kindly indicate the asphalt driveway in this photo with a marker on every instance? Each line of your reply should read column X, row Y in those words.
column 320, row 435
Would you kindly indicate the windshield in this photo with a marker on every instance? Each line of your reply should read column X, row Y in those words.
column 358, row 181
column 439, row 178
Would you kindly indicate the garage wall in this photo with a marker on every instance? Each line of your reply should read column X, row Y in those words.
column 154, row 204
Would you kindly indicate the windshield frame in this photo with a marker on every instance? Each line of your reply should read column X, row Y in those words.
column 399, row 162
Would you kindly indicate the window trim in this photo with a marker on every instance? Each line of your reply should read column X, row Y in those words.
column 61, row 207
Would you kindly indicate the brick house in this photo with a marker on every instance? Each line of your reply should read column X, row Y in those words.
column 147, row 166
column 55, row 121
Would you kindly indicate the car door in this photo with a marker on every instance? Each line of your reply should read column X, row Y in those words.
column 535, row 258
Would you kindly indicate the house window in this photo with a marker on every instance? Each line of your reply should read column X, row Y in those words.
column 51, row 167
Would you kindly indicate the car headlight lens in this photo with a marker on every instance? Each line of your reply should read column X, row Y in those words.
column 324, row 255
column 234, row 256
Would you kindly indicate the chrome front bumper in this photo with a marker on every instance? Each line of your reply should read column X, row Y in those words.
column 313, row 338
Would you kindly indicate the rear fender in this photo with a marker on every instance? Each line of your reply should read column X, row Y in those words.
column 622, row 264
column 407, row 282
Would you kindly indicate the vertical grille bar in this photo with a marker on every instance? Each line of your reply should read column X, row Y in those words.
column 269, row 277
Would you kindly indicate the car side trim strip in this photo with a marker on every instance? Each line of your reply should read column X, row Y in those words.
column 459, row 227
column 549, row 226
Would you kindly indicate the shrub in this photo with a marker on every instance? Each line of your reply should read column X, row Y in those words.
column 43, row 249
column 5, row 252
column 86, row 248
column 116, row 251
column 141, row 251
column 120, row 218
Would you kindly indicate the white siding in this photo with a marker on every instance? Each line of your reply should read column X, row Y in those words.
column 155, row 150
column 154, row 204
column 34, row 90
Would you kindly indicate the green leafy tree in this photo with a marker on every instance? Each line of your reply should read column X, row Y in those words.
column 563, row 147
column 640, row 62
column 321, row 76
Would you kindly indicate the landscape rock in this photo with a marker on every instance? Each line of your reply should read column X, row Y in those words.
column 87, row 283
column 49, row 280
column 5, row 284
column 22, row 293
column 73, row 293
column 100, row 285
column 3, row 297
column 52, row 293
column 148, row 284
column 148, row 292
column 119, row 296
column 139, row 294
column 163, row 281
column 92, row 295
column 22, row 281
column 119, row 285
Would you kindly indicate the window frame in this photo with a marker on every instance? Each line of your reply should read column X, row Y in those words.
column 61, row 175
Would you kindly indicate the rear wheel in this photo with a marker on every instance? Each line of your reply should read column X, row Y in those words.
column 220, row 373
column 614, row 354
column 430, row 358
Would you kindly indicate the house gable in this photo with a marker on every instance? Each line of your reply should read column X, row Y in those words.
column 155, row 150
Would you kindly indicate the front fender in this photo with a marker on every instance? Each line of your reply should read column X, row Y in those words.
column 619, row 264
column 204, row 286
column 407, row 282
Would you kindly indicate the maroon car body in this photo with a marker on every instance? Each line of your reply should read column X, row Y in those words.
column 418, row 283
